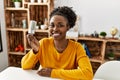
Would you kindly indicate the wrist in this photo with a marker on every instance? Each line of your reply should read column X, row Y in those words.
column 35, row 52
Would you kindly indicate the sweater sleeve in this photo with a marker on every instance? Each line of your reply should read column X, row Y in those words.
column 29, row 60
column 83, row 72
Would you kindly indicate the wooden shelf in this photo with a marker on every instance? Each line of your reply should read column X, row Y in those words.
column 12, row 8
column 42, row 30
column 90, row 38
column 103, row 46
column 38, row 3
column 17, row 53
column 113, row 40
column 16, row 29
column 21, row 29
column 95, row 60
column 16, row 34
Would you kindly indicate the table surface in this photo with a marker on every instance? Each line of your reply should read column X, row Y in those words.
column 15, row 73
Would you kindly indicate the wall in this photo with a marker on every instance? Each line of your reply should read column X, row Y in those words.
column 3, row 54
column 95, row 15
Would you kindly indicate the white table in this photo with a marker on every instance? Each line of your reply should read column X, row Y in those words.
column 15, row 73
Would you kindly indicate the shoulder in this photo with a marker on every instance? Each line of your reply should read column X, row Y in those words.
column 75, row 43
column 77, row 47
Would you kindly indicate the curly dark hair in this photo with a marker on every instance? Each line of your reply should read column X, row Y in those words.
column 66, row 12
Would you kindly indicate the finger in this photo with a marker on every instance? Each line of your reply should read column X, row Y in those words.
column 41, row 72
column 31, row 38
column 29, row 35
column 45, row 72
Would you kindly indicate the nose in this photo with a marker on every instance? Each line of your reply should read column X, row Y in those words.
column 55, row 28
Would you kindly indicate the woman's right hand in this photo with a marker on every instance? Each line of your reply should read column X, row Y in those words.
column 33, row 42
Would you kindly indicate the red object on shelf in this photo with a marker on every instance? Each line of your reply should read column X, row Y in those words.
column 16, row 49
column 19, row 48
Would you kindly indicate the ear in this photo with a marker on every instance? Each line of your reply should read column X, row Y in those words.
column 68, row 27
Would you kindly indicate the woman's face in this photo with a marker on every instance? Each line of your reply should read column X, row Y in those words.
column 58, row 27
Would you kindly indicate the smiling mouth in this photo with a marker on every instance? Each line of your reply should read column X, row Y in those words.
column 56, row 34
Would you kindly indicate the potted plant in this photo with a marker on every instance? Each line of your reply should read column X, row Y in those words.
column 103, row 34
column 110, row 55
column 17, row 3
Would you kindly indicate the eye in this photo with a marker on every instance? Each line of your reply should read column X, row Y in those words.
column 51, row 25
column 57, row 25
column 60, row 25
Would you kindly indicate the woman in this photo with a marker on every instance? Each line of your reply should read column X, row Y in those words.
column 59, row 57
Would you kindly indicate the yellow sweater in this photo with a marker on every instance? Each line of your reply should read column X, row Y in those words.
column 72, row 64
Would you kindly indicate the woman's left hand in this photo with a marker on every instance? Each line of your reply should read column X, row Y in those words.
column 45, row 72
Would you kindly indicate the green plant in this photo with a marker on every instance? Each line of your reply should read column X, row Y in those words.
column 103, row 33
column 17, row 0
column 111, row 54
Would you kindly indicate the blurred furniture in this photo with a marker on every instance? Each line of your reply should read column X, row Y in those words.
column 108, row 71
column 17, row 21
column 15, row 73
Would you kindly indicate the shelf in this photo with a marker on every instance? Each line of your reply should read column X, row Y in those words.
column 95, row 60
column 38, row 3
column 91, row 39
column 16, row 29
column 14, row 20
column 113, row 40
column 28, row 49
column 12, row 8
column 21, row 29
column 17, row 53
column 42, row 30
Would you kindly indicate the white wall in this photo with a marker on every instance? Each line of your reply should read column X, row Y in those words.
column 3, row 55
column 95, row 15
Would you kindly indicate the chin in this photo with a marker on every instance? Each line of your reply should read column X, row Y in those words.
column 56, row 38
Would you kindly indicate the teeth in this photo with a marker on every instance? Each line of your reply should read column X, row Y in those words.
column 56, row 34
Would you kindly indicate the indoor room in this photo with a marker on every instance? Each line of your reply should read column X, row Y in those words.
column 60, row 39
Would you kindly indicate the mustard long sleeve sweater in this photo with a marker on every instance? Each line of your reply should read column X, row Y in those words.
column 71, row 64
